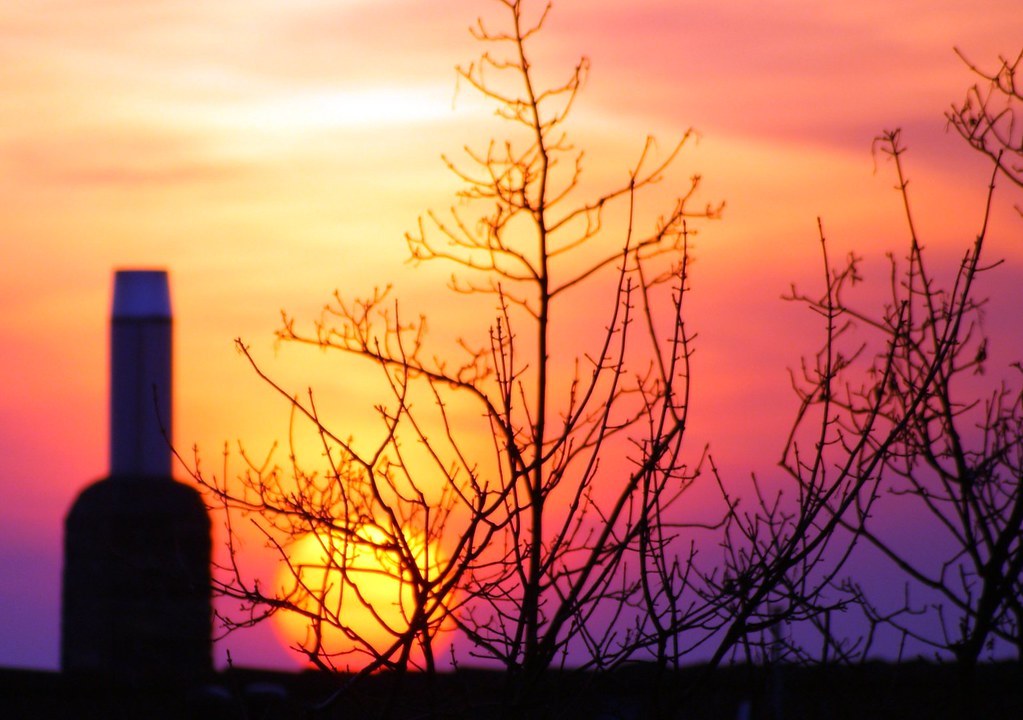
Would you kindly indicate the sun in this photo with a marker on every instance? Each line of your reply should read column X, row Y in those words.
column 358, row 589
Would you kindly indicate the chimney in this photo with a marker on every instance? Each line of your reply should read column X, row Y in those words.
column 140, row 375
column 136, row 593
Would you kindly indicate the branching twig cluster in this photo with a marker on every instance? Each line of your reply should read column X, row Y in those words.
column 561, row 540
column 905, row 421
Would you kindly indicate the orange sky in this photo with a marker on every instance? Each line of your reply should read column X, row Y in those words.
column 267, row 153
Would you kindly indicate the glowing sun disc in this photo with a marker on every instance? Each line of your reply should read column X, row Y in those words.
column 357, row 589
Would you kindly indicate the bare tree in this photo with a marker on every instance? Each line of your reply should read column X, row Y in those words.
column 989, row 117
column 522, row 485
column 554, row 542
column 902, row 390
column 784, row 550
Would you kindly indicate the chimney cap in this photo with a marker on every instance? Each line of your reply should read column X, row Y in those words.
column 141, row 294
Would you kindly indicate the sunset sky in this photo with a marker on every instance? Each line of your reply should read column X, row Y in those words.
column 267, row 153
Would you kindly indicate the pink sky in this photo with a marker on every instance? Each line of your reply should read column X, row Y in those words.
column 267, row 153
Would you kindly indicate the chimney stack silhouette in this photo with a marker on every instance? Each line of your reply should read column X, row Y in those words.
column 136, row 592
column 140, row 375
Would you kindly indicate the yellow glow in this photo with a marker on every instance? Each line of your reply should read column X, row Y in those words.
column 360, row 593
column 325, row 109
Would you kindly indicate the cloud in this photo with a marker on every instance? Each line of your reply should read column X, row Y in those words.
column 132, row 158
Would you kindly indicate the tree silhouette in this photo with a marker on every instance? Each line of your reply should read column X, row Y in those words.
column 904, row 398
column 553, row 541
column 522, row 485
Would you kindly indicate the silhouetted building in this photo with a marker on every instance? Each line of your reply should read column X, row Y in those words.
column 136, row 591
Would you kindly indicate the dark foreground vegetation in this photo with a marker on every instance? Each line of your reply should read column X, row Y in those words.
column 871, row 690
